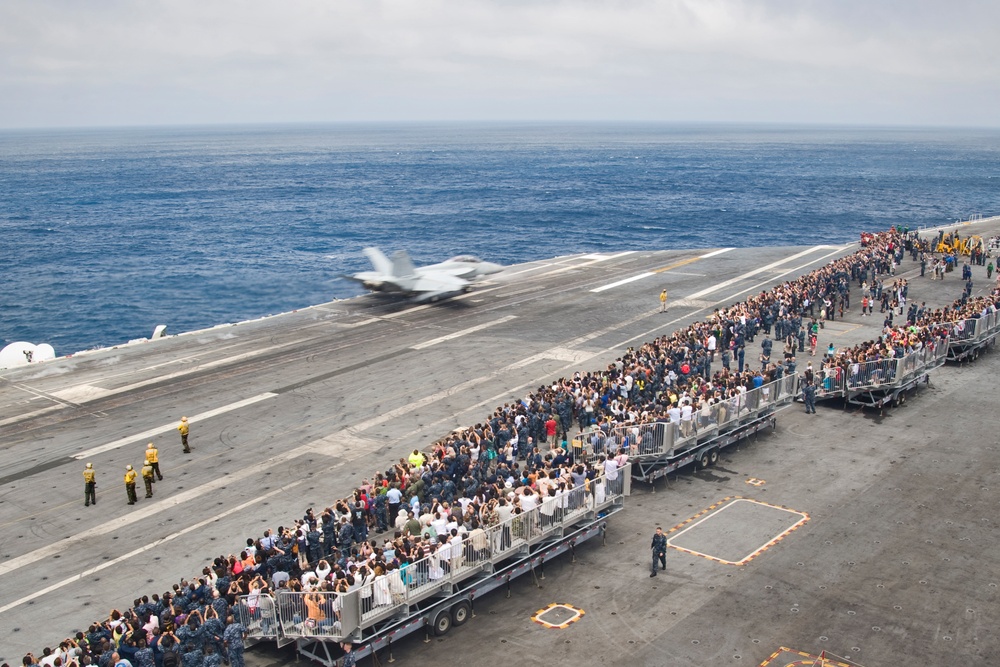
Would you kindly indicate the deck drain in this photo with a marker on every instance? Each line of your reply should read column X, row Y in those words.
column 823, row 638
column 795, row 610
column 851, row 613
column 755, row 641
column 856, row 649
column 897, row 607
column 879, row 586
column 947, row 638
column 875, row 628
column 695, row 641
column 767, row 588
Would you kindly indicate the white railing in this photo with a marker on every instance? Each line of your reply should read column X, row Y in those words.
column 659, row 439
column 339, row 615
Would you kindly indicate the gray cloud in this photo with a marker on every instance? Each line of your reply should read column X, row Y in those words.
column 181, row 61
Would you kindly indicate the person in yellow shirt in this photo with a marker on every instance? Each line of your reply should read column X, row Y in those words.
column 663, row 301
column 89, row 485
column 153, row 459
column 130, row 485
column 183, row 428
column 147, row 479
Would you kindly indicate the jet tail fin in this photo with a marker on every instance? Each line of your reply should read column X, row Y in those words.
column 402, row 267
column 379, row 261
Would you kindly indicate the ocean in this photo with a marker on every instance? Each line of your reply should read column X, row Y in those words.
column 109, row 232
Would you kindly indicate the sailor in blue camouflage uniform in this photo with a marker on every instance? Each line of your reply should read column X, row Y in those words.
column 314, row 548
column 191, row 655
column 212, row 658
column 233, row 637
column 220, row 605
column 213, row 628
column 345, row 537
column 380, row 512
column 191, row 633
column 143, row 655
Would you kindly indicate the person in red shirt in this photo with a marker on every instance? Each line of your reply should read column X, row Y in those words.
column 550, row 428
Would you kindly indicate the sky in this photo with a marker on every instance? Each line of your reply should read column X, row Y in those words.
column 66, row 63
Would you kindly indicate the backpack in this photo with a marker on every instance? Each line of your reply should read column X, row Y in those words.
column 170, row 659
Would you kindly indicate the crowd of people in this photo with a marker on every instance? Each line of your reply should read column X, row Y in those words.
column 444, row 499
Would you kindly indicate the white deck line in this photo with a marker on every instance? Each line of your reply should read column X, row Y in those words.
column 463, row 332
column 115, row 444
column 624, row 282
column 772, row 265
column 716, row 252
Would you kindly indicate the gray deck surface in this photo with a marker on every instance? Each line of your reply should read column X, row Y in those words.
column 899, row 559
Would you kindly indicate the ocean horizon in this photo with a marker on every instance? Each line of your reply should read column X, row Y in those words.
column 112, row 231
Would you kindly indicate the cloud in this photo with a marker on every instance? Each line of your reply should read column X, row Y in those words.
column 70, row 63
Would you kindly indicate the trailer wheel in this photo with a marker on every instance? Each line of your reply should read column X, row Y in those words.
column 442, row 622
column 703, row 462
column 713, row 457
column 460, row 613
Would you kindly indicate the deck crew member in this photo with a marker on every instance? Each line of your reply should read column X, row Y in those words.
column 130, row 485
column 147, row 478
column 663, row 301
column 89, row 486
column 659, row 547
column 153, row 459
column 183, row 428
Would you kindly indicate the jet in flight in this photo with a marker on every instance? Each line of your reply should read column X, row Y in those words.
column 425, row 283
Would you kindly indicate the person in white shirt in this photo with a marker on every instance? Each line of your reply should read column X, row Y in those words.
column 686, row 415
column 529, row 500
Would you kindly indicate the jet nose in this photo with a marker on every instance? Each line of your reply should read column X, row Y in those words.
column 489, row 268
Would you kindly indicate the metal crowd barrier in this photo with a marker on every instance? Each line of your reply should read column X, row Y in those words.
column 882, row 376
column 258, row 615
column 967, row 337
column 337, row 616
column 666, row 439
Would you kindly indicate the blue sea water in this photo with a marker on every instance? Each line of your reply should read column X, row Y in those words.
column 107, row 233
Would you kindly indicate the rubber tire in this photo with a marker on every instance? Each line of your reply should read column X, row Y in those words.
column 713, row 457
column 442, row 622
column 460, row 613
column 703, row 462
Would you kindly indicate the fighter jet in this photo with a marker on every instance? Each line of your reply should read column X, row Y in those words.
column 426, row 283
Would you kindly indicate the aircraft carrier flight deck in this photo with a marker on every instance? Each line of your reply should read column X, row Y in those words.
column 897, row 564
